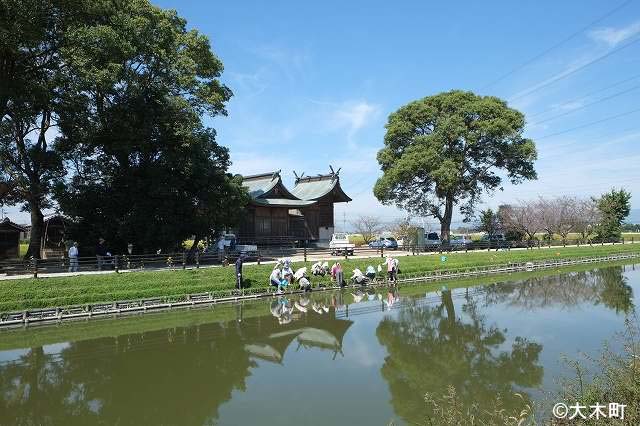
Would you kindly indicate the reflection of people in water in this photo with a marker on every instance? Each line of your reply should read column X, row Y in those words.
column 358, row 296
column 371, row 295
column 281, row 308
column 392, row 297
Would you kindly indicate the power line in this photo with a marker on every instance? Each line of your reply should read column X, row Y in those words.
column 582, row 126
column 555, row 46
column 562, row 76
column 615, row 95
column 586, row 95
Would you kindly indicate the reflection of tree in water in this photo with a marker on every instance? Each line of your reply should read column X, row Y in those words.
column 429, row 349
column 607, row 286
column 174, row 376
column 171, row 376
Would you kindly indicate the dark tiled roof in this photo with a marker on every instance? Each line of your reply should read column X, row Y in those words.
column 316, row 187
column 6, row 224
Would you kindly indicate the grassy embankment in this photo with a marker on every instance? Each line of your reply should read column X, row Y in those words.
column 64, row 291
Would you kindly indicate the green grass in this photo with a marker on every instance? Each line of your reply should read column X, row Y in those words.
column 64, row 291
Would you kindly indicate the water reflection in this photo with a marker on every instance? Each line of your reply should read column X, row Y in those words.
column 430, row 348
column 182, row 375
column 606, row 286
column 151, row 377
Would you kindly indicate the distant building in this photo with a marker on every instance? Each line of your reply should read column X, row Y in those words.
column 54, row 235
column 10, row 239
column 277, row 215
column 26, row 235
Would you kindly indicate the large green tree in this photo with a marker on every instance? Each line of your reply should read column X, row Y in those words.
column 447, row 149
column 121, row 86
column 614, row 207
column 34, row 76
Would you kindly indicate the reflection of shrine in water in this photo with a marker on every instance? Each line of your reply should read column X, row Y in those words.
column 308, row 330
column 107, row 379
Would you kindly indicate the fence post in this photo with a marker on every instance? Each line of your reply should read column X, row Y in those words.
column 346, row 256
column 305, row 251
column 35, row 267
column 197, row 259
column 184, row 260
column 382, row 251
column 115, row 264
column 258, row 257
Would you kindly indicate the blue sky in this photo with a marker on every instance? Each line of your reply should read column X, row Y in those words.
column 314, row 82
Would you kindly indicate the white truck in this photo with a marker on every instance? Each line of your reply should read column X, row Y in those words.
column 339, row 243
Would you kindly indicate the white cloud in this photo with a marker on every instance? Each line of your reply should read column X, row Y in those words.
column 614, row 36
column 292, row 63
column 356, row 116
column 248, row 84
column 568, row 106
column 349, row 116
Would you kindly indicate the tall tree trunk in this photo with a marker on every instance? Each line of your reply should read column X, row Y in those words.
column 447, row 301
column 445, row 222
column 37, row 230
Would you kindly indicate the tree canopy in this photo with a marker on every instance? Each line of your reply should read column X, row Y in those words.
column 614, row 207
column 447, row 149
column 121, row 87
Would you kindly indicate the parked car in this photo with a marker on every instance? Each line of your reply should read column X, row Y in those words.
column 432, row 240
column 493, row 241
column 339, row 243
column 233, row 249
column 389, row 243
column 459, row 242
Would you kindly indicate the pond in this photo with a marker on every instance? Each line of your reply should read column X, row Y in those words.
column 354, row 357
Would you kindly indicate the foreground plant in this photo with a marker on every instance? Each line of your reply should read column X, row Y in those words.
column 449, row 409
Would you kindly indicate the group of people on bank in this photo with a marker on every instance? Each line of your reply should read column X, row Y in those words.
column 283, row 275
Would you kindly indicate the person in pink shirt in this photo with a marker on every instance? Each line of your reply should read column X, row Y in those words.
column 391, row 269
column 337, row 274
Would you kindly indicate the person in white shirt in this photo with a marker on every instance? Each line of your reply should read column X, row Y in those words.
column 73, row 257
column 220, row 248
